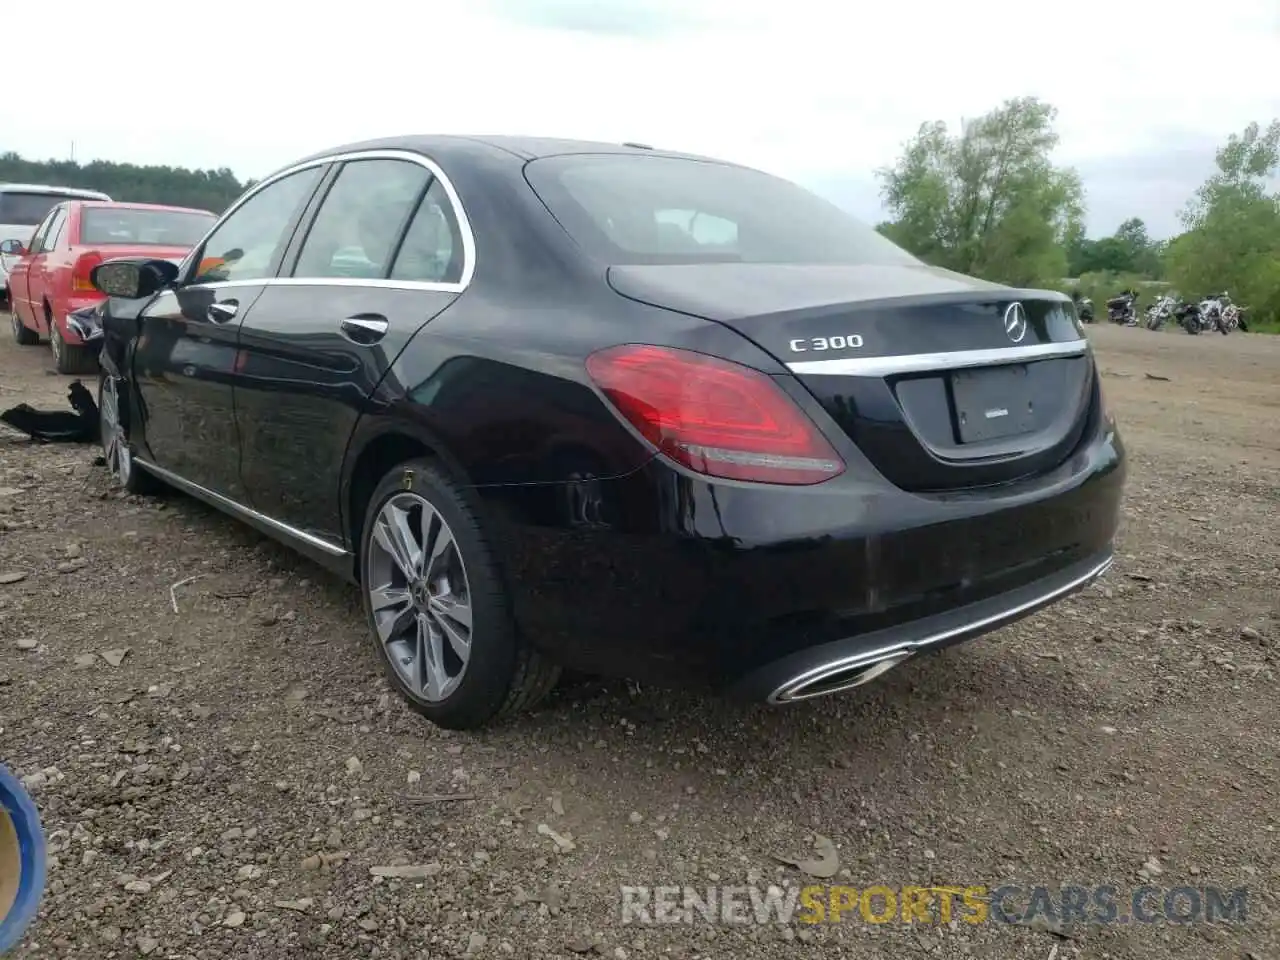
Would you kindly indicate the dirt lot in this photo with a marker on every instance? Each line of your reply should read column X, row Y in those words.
column 224, row 790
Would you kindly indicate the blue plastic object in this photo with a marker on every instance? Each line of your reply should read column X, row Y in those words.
column 27, row 862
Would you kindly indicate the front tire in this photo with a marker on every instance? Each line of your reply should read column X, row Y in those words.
column 437, row 609
column 113, row 435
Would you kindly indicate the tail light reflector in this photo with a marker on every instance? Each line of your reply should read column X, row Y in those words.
column 715, row 417
column 80, row 282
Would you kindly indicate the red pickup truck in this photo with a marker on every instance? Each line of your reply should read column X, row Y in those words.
column 52, row 277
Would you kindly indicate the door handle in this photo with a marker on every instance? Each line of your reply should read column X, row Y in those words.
column 365, row 328
column 222, row 311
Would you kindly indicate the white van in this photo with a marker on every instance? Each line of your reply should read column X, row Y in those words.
column 22, row 207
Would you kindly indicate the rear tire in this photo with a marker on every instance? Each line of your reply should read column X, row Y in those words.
column 446, row 583
column 22, row 335
column 71, row 358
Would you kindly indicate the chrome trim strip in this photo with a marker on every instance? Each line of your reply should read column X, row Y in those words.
column 333, row 282
column 459, row 213
column 815, row 674
column 955, row 360
column 226, row 503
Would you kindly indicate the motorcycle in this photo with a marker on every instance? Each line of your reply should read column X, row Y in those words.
column 1084, row 307
column 1217, row 312
column 1160, row 311
column 1189, row 317
column 1124, row 309
column 1231, row 319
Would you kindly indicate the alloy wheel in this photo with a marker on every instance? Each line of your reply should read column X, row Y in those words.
column 115, row 447
column 55, row 342
column 420, row 596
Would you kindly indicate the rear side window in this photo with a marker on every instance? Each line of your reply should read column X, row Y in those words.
column 103, row 226
column 432, row 248
column 38, row 235
column 56, row 229
column 26, row 209
column 628, row 208
column 361, row 220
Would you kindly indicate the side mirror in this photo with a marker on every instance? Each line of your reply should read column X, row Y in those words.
column 12, row 248
column 133, row 279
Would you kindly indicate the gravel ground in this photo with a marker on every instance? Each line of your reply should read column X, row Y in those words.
column 221, row 781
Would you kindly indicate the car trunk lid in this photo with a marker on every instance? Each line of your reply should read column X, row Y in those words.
column 942, row 381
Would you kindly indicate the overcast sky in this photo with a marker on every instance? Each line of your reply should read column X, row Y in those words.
column 814, row 90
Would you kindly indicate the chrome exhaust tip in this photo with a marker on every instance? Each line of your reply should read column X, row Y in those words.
column 837, row 676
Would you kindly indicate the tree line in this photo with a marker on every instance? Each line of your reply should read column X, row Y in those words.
column 988, row 201
column 212, row 190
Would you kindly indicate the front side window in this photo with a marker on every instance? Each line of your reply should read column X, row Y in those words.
column 248, row 244
column 361, row 219
column 627, row 208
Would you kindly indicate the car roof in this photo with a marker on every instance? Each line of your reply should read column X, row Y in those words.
column 447, row 147
column 71, row 192
column 127, row 205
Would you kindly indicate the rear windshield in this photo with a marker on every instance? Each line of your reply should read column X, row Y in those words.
column 169, row 228
column 26, row 209
column 638, row 209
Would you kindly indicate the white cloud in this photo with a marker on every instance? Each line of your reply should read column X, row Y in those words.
column 811, row 89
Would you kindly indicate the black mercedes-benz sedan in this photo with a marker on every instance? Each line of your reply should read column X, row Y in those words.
column 556, row 404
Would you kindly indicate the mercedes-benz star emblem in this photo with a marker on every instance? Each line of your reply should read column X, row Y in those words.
column 1015, row 322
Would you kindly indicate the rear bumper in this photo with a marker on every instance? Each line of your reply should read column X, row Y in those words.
column 69, row 333
column 669, row 579
column 844, row 663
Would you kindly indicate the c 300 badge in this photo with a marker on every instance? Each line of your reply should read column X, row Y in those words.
column 851, row 341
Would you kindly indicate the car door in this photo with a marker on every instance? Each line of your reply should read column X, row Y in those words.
column 382, row 256
column 42, row 266
column 185, row 352
column 20, row 273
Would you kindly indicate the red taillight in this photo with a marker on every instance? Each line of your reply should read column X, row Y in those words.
column 715, row 417
column 80, row 272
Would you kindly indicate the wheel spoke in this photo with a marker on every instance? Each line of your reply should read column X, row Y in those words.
column 395, row 537
column 454, row 620
column 456, row 610
column 432, row 675
column 390, row 604
column 439, row 538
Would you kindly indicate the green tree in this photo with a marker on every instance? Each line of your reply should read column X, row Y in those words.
column 987, row 202
column 1232, row 240
column 1129, row 250
column 211, row 190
